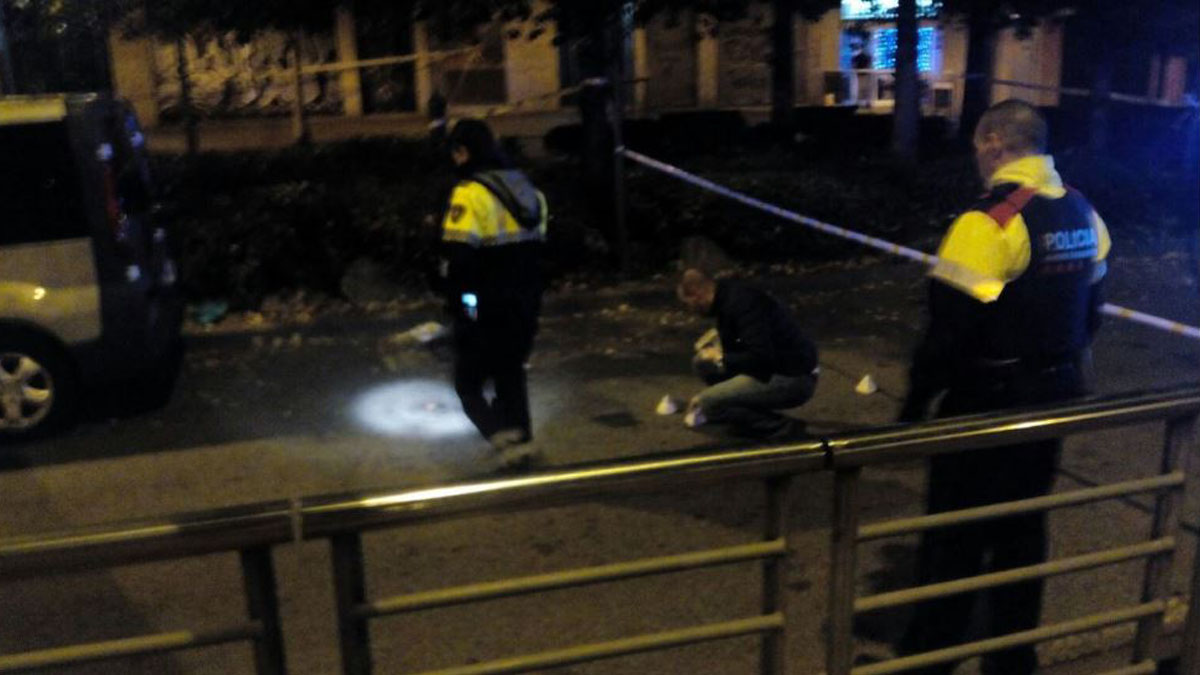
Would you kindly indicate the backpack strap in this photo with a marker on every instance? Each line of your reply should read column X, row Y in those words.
column 1013, row 204
column 498, row 189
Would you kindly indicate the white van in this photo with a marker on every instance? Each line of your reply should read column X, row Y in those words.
column 88, row 297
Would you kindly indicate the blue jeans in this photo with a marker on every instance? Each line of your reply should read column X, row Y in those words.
column 750, row 406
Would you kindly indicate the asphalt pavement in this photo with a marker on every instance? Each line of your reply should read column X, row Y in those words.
column 330, row 406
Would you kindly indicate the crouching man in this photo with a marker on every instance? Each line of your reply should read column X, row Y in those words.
column 762, row 365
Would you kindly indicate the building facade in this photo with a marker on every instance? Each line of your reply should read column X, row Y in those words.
column 683, row 61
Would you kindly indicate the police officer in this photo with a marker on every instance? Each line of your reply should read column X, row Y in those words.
column 492, row 238
column 1014, row 302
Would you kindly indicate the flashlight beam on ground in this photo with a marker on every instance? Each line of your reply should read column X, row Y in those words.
column 425, row 409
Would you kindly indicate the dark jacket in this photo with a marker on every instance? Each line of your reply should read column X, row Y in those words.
column 759, row 336
column 1042, row 321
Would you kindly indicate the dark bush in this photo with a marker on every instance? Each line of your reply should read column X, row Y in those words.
column 256, row 223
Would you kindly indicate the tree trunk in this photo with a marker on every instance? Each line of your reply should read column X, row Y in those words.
column 620, row 37
column 601, row 59
column 783, row 63
column 190, row 125
column 8, row 83
column 907, row 115
column 1101, row 86
column 981, row 60
column 300, row 131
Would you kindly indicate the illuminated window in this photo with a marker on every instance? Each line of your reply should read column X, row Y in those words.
column 885, row 9
column 884, row 49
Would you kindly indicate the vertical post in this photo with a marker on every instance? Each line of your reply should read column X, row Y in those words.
column 190, row 125
column 1157, row 582
column 708, row 73
column 774, row 644
column 1189, row 654
column 906, row 112
column 840, row 648
column 641, row 69
column 783, row 63
column 422, row 74
column 262, row 603
column 300, row 131
column 349, row 583
column 8, row 83
column 349, row 81
column 1191, row 144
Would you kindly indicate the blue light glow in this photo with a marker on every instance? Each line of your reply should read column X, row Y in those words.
column 884, row 49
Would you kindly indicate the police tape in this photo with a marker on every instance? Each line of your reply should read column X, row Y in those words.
column 875, row 242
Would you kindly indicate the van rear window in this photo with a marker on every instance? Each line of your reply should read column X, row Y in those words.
column 40, row 196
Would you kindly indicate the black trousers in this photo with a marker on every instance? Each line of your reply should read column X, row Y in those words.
column 965, row 480
column 494, row 347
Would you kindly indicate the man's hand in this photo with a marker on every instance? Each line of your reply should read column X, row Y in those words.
column 694, row 417
column 709, row 364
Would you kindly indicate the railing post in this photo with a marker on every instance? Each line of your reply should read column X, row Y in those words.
column 349, row 583
column 262, row 602
column 1189, row 655
column 840, row 647
column 1157, row 582
column 774, row 644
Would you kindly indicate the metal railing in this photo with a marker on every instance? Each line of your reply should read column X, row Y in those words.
column 851, row 454
column 251, row 531
column 343, row 519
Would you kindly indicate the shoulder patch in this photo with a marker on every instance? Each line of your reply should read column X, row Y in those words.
column 457, row 211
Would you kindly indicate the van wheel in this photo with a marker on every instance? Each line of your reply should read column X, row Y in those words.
column 38, row 388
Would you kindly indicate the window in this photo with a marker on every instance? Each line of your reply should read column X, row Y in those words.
column 884, row 49
column 885, row 9
column 40, row 196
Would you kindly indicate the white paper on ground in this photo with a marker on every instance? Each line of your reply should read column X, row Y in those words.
column 427, row 332
column 422, row 334
column 866, row 385
column 669, row 405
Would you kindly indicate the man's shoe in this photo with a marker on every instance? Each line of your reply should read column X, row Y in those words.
column 519, row 457
column 505, row 438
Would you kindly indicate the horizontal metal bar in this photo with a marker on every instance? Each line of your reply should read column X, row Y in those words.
column 177, row 536
column 894, row 443
column 135, row 646
column 1012, row 576
column 355, row 65
column 1143, row 668
column 384, row 61
column 1042, row 634
column 566, row 579
column 325, row 516
column 622, row 647
column 893, row 528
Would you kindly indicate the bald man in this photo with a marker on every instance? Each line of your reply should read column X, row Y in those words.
column 764, row 364
column 1014, row 303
